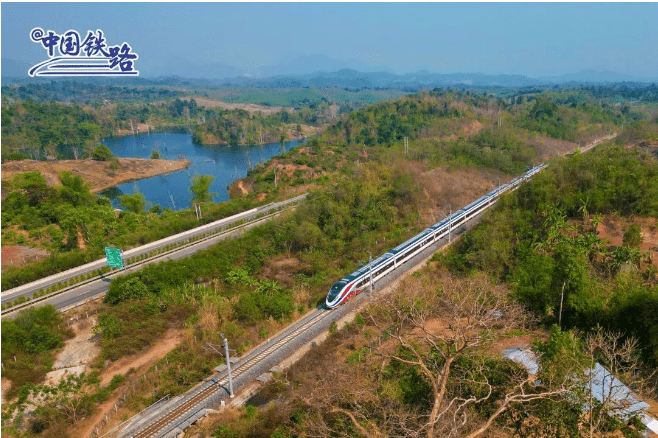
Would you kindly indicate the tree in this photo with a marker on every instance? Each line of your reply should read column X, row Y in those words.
column 102, row 153
column 620, row 358
column 125, row 288
column 439, row 335
column 544, row 108
column 135, row 202
column 74, row 189
column 427, row 369
column 200, row 188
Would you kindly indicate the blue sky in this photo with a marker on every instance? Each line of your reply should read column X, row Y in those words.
column 535, row 39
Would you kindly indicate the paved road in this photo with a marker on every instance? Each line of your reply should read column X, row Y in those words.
column 173, row 417
column 99, row 285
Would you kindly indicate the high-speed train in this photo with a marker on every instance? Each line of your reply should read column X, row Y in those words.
column 352, row 284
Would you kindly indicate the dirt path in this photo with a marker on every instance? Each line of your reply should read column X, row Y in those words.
column 139, row 363
column 5, row 387
column 169, row 341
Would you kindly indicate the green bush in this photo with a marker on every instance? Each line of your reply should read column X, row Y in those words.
column 125, row 288
column 102, row 153
column 633, row 236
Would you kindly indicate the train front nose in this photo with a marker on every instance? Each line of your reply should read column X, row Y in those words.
column 334, row 292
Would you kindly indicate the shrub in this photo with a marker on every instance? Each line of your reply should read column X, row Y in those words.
column 102, row 153
column 125, row 288
column 633, row 236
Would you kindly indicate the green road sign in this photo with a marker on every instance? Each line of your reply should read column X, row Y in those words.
column 113, row 257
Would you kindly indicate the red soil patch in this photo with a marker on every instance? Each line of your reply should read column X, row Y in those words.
column 20, row 255
column 243, row 190
column 96, row 173
column 612, row 229
column 6, row 386
column 290, row 169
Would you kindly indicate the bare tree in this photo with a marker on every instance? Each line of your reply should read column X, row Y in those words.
column 607, row 392
column 436, row 326
column 440, row 331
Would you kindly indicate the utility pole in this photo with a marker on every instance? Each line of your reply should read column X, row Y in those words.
column 228, row 365
column 406, row 146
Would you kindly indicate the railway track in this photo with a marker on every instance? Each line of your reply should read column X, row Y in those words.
column 216, row 385
column 184, row 412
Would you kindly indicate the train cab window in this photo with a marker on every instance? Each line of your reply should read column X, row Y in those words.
column 335, row 290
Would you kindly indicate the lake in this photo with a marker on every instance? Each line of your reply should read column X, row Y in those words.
column 225, row 163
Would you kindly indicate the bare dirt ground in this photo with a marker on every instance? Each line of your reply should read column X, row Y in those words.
column 77, row 354
column 251, row 108
column 240, row 186
column 139, row 363
column 96, row 173
column 20, row 255
column 612, row 229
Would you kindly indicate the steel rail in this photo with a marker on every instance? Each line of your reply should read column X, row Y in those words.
column 191, row 406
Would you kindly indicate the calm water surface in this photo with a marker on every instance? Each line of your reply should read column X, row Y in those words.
column 225, row 163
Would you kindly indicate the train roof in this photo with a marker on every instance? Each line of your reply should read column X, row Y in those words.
column 365, row 268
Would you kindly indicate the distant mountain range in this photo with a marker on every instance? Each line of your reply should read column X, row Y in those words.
column 322, row 71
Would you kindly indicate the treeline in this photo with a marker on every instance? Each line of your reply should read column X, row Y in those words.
column 626, row 91
column 388, row 122
column 544, row 241
column 85, row 92
column 239, row 127
column 50, row 130
column 453, row 128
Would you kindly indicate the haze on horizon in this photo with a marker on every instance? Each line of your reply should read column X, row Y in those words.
column 256, row 39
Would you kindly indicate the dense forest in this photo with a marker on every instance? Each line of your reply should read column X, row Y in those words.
column 49, row 130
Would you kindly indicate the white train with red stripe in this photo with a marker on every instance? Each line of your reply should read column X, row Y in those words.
column 352, row 284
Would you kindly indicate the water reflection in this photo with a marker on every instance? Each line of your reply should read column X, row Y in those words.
column 225, row 163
